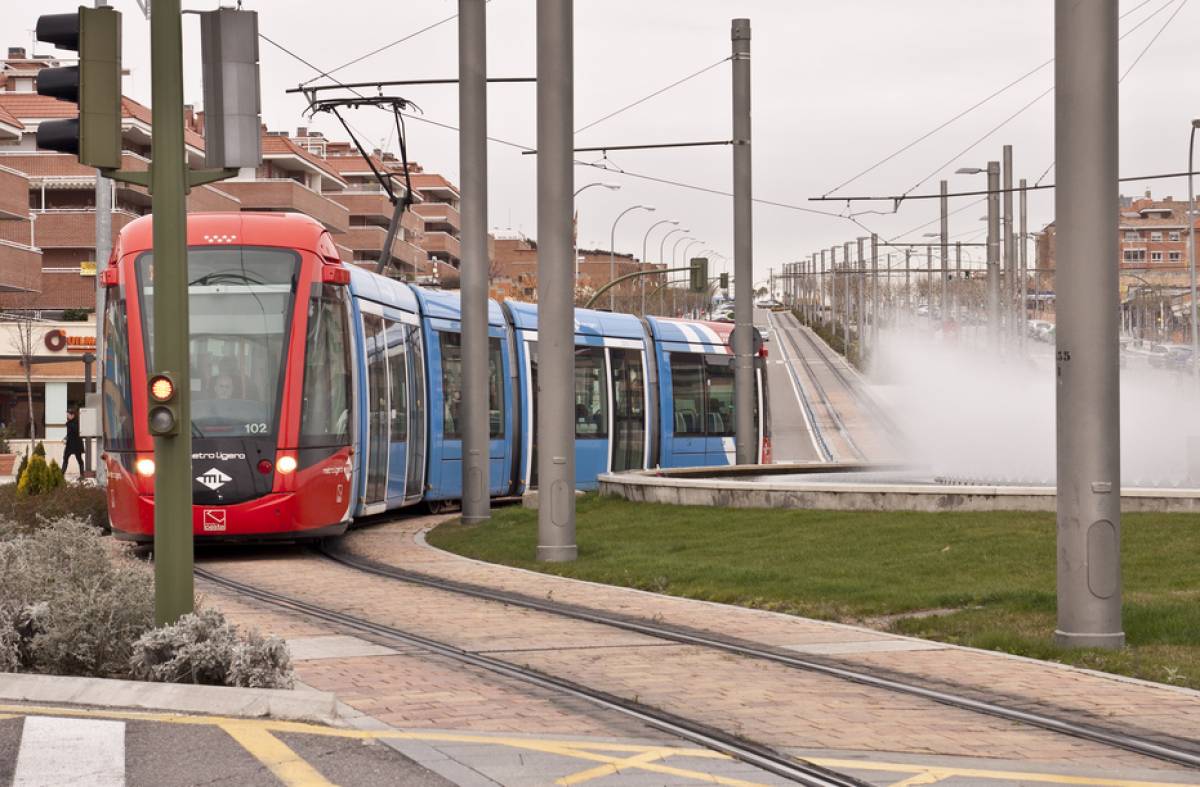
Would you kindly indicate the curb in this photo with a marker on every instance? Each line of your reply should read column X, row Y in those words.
column 282, row 704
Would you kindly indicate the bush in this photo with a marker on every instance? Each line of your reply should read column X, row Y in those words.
column 38, row 477
column 23, row 513
column 39, row 450
column 57, row 479
column 69, row 607
column 5, row 435
column 24, row 464
column 205, row 648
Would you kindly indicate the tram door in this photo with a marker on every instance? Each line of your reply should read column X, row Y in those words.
column 398, row 423
column 415, row 477
column 629, row 409
column 377, row 409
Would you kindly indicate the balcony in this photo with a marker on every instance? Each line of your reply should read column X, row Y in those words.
column 20, row 267
column 286, row 194
column 72, row 228
column 371, row 205
column 439, row 213
column 14, row 194
column 436, row 243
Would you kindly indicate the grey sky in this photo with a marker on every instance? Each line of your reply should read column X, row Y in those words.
column 837, row 86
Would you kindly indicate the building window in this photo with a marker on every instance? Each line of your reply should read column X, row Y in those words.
column 1156, row 256
column 1156, row 237
column 1135, row 255
column 1173, row 235
column 1174, row 256
column 1131, row 235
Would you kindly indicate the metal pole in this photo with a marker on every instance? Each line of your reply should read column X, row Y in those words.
column 907, row 291
column 833, row 302
column 103, row 249
column 743, row 249
column 874, row 290
column 1192, row 246
column 173, row 555
column 1010, row 258
column 662, row 292
column 945, row 250
column 846, row 299
column 957, row 278
column 861, row 301
column 612, row 264
column 1024, row 265
column 1088, row 412
column 993, row 253
column 556, row 313
column 472, row 156
column 642, row 279
column 824, row 287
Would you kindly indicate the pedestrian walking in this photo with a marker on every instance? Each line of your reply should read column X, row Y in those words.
column 74, row 444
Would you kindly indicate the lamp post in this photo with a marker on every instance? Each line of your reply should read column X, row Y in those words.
column 609, row 186
column 1192, row 242
column 674, row 257
column 686, row 249
column 662, row 260
column 646, row 237
column 993, row 245
column 612, row 259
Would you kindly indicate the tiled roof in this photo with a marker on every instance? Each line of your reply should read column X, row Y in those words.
column 9, row 119
column 424, row 180
column 32, row 106
column 276, row 144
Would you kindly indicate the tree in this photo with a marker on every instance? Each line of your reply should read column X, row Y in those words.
column 27, row 334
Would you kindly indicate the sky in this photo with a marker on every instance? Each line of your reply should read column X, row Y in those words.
column 837, row 87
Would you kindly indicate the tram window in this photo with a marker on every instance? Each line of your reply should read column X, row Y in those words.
column 325, row 414
column 687, row 385
column 398, row 370
column 591, row 393
column 118, row 407
column 452, row 388
column 718, row 399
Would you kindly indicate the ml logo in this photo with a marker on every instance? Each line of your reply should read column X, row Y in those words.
column 214, row 479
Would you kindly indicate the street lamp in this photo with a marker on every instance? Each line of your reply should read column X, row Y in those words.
column 993, row 245
column 1192, row 241
column 674, row 264
column 645, row 238
column 662, row 260
column 609, row 186
column 612, row 260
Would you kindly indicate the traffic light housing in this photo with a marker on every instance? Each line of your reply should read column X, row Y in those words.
column 699, row 275
column 94, row 136
column 163, row 413
column 724, row 281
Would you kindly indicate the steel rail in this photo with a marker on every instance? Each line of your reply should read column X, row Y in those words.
column 809, row 415
column 758, row 755
column 825, row 400
column 1131, row 743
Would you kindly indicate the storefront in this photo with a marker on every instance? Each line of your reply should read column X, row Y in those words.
column 57, row 374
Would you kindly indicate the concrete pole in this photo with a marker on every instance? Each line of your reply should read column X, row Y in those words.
column 556, row 286
column 929, row 283
column 472, row 156
column 173, row 553
column 860, row 304
column 1192, row 250
column 1023, row 261
column 907, row 291
column 846, row 299
column 1010, row 257
column 824, row 287
column 1088, row 412
column 945, row 250
column 745, row 434
column 957, row 278
column 103, row 249
column 993, row 254
column 833, row 289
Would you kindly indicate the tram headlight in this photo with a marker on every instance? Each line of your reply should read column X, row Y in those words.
column 144, row 467
column 285, row 464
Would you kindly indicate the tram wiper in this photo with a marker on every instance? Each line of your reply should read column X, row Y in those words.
column 196, row 430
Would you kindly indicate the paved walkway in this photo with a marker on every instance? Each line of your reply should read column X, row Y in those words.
column 787, row 709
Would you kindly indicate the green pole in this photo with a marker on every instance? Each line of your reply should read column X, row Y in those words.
column 626, row 277
column 173, row 585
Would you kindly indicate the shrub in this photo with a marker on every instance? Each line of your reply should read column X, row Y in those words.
column 22, row 513
column 37, row 478
column 24, row 464
column 205, row 648
column 68, row 606
column 57, row 478
column 39, row 450
column 5, row 435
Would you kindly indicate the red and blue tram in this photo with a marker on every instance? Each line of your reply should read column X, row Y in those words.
column 321, row 392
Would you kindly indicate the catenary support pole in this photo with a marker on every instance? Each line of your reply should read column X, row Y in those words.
column 993, row 254
column 958, row 280
column 1023, row 264
column 103, row 249
column 944, row 232
column 874, row 291
column 859, row 321
column 472, row 156
column 173, row 555
column 847, row 298
column 1088, row 413
column 1010, row 258
column 556, row 281
column 745, row 434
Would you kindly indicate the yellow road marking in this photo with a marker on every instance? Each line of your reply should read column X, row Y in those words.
column 289, row 767
column 928, row 777
column 577, row 749
column 614, row 767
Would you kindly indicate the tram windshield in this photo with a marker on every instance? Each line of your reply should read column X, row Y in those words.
column 239, row 311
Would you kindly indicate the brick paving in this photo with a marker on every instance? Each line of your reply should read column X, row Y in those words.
column 766, row 702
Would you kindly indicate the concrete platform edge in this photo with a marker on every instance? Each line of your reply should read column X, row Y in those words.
column 283, row 704
column 1183, row 690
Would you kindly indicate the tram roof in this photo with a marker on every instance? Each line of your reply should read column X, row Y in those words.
column 381, row 289
column 691, row 335
column 440, row 304
column 587, row 321
column 286, row 230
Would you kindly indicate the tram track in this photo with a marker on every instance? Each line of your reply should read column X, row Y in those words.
column 764, row 757
column 1172, row 753
column 810, row 417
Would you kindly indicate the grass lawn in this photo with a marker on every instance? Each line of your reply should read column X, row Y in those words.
column 990, row 577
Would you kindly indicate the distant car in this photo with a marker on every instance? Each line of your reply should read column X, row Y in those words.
column 1165, row 355
column 1179, row 358
column 768, row 303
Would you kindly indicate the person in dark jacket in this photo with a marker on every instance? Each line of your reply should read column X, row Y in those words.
column 74, row 445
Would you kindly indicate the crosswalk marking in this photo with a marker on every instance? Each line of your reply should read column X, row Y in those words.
column 57, row 751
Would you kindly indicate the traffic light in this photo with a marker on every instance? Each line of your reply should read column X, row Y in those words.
column 164, row 405
column 724, row 281
column 699, row 275
column 95, row 85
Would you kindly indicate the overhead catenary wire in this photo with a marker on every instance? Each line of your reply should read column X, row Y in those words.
column 658, row 92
